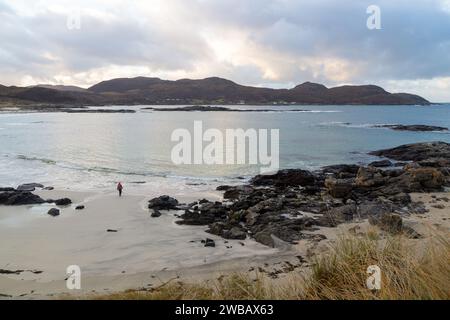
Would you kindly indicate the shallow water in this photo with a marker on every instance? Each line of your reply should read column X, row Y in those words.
column 93, row 151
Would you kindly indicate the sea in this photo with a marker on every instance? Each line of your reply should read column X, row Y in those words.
column 94, row 151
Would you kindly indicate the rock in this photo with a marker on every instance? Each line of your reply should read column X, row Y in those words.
column 429, row 179
column 372, row 209
column 163, row 203
column 439, row 206
column 210, row 243
column 338, row 215
column 112, row 230
column 233, row 193
column 416, row 151
column 369, row 177
column 381, row 164
column 217, row 228
column 414, row 127
column 251, row 217
column 63, row 202
column 388, row 222
column 156, row 213
column 223, row 188
column 80, row 208
column 339, row 188
column 29, row 186
column 265, row 238
column 288, row 177
column 53, row 212
column 235, row 233
column 7, row 189
column 48, row 188
column 16, row 198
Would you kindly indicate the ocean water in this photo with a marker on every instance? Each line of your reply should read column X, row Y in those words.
column 93, row 151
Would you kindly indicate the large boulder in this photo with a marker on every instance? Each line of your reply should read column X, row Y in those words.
column 163, row 203
column 430, row 179
column 339, row 188
column 53, row 212
column 63, row 202
column 235, row 233
column 369, row 177
column 16, row 198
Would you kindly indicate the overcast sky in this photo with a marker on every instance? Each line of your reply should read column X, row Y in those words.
column 275, row 43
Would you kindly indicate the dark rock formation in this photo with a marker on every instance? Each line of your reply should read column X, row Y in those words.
column 218, row 109
column 209, row 243
column 16, row 198
column 163, row 203
column 7, row 189
column 53, row 212
column 289, row 177
column 63, row 202
column 414, row 127
column 416, row 151
column 79, row 207
column 381, row 164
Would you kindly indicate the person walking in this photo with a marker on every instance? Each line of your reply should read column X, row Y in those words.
column 120, row 188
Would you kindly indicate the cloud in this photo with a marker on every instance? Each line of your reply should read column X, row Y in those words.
column 256, row 42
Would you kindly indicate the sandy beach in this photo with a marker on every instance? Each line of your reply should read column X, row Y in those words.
column 142, row 248
column 144, row 252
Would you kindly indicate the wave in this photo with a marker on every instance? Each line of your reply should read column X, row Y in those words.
column 115, row 171
column 43, row 160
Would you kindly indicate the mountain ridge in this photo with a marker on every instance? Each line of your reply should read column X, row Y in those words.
column 212, row 90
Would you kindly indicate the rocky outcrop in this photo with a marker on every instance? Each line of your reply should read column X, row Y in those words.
column 278, row 207
column 163, row 203
column 414, row 127
column 416, row 151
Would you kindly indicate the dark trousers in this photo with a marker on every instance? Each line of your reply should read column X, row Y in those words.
column 120, row 192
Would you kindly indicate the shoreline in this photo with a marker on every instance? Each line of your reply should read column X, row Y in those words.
column 119, row 245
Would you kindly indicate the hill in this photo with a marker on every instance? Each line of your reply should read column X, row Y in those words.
column 143, row 90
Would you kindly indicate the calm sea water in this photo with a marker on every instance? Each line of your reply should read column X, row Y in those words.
column 93, row 151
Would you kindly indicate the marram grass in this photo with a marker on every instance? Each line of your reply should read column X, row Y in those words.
column 408, row 271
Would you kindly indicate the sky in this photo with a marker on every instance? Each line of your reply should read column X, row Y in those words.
column 270, row 43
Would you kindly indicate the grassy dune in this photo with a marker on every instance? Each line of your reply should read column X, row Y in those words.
column 418, row 270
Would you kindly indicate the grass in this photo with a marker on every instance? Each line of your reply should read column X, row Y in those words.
column 409, row 271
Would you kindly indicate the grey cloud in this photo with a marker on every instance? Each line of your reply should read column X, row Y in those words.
column 414, row 41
